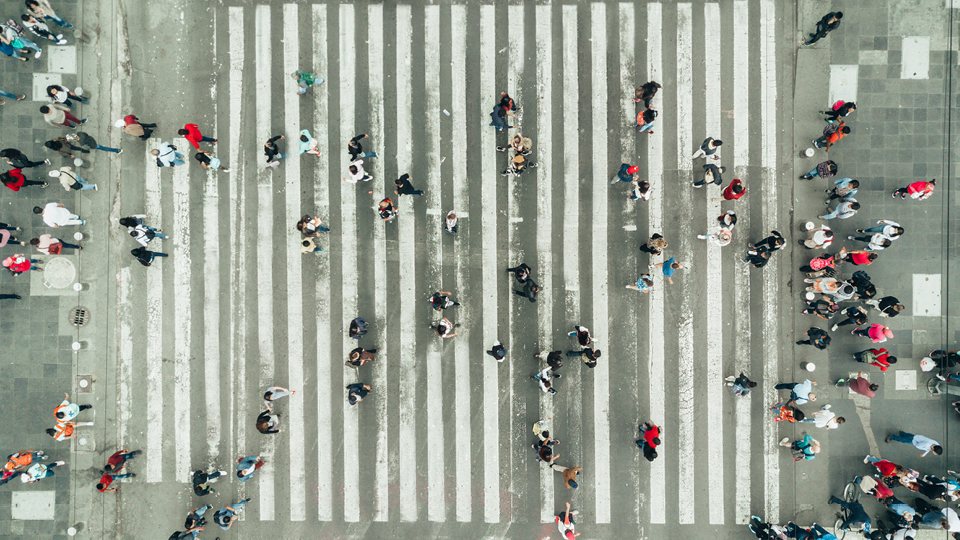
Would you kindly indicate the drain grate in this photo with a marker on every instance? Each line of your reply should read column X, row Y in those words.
column 79, row 316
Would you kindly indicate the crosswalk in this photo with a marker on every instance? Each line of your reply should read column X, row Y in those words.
column 444, row 435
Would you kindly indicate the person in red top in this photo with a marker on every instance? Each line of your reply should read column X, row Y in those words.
column 886, row 468
column 734, row 191
column 108, row 479
column 118, row 459
column 858, row 257
column 917, row 190
column 192, row 134
column 833, row 137
column 14, row 180
column 876, row 357
column 19, row 263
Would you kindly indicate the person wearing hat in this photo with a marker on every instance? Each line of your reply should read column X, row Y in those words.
column 627, row 173
column 69, row 179
column 569, row 474
column 131, row 125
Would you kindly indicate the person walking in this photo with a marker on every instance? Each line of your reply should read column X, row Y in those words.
column 167, row 155
column 359, row 357
column 806, row 448
column 876, row 242
column 521, row 272
column 357, row 173
column 450, row 223
column 711, row 175
column 774, row 242
column 274, row 393
column 357, row 391
column 627, row 173
column 209, row 162
column 358, row 327
column 311, row 227
column 924, row 444
column 840, row 109
column 544, row 378
column 57, row 115
column 498, row 351
column 39, row 471
column 145, row 256
column 708, row 149
column 889, row 229
column 741, row 384
column 876, row 332
column 18, row 160
column 192, row 133
column 644, row 284
column 824, row 169
column 40, row 29
column 816, row 337
column 119, row 458
column 202, row 481
column 62, row 146
column 61, row 94
column 818, row 238
column 721, row 238
column 144, row 235
column 918, row 190
column 640, row 190
column 21, row 460
column 856, row 315
column 67, row 410
column 225, row 516
column 65, row 431
column 843, row 188
column 827, row 24
column 19, row 263
column 104, row 484
column 444, row 327
column 862, row 386
column 42, row 9
column 825, row 418
column 646, row 119
column 669, row 267
column 530, row 290
column 441, row 300
column 655, row 245
column 734, row 191
column 846, row 209
column 272, row 151
column 800, row 393
column 566, row 524
column 888, row 306
column 588, row 354
column 649, row 440
column 554, row 359
column 305, row 80
column 267, row 423
column 646, row 93
column 15, row 180
column 582, row 333
column 71, row 180
column 404, row 187
column 88, row 143
column 880, row 358
column 49, row 245
column 355, row 149
column 832, row 134
column 569, row 474
column 246, row 466
column 132, row 126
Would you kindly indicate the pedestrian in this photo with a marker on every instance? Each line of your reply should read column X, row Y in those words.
column 167, row 155
column 39, row 471
column 145, row 256
column 356, row 392
column 846, row 209
column 825, row 418
column 305, row 80
column 521, row 272
column 49, row 245
column 758, row 258
column 404, row 187
column 832, row 134
column 843, row 188
column 42, row 9
column 627, row 173
column 444, row 327
column 876, row 332
column 202, row 481
column 386, row 210
column 876, row 242
column 582, row 333
column 825, row 25
column 225, row 516
column 192, row 133
column 144, row 234
column 209, row 162
column 646, row 119
column 530, row 290
column 734, row 191
column 267, row 423
column 569, row 474
column 711, row 175
column 40, row 29
column 644, row 284
column 61, row 94
column 357, row 173
column 856, row 315
column 356, row 149
column 517, row 165
column 646, row 93
column 11, row 41
column 669, row 267
column 839, row 109
column 785, row 412
column 727, row 220
column 116, row 461
column 131, row 125
column 544, row 379
column 565, row 524
column 918, row 190
column 818, row 238
column 19, row 263
column 61, row 146
column 855, row 514
column 440, row 300
column 18, row 160
column 862, row 386
column 498, row 118
column 880, row 358
column 720, row 238
column 88, row 143
column 67, row 411
column 741, row 384
column 764, row 530
column 450, row 223
column 816, row 337
column 655, row 245
column 649, row 440
column 924, row 444
column 195, row 517
column 554, row 359
column 272, row 151
column 800, row 393
column 15, row 180
column 520, row 144
column 824, row 169
column 65, row 431
column 22, row 460
column 708, row 149
column 274, row 393
column 311, row 226
column 307, row 245
column 865, row 289
column 104, row 484
column 889, row 229
column 246, row 466
column 56, row 115
column 588, row 354
column 829, row 286
column 71, row 180
column 498, row 351
column 358, row 327
column 360, row 356
column 806, row 448
column 641, row 190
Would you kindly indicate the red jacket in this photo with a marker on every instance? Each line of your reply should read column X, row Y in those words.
column 729, row 195
column 18, row 179
column 881, row 360
column 193, row 135
column 106, row 480
column 650, row 434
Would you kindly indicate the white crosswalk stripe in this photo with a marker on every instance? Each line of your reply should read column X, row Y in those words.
column 435, row 439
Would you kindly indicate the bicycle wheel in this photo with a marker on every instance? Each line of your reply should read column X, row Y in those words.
column 850, row 493
column 839, row 533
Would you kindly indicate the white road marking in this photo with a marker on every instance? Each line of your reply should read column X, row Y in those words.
column 211, row 312
column 180, row 238
column 601, row 374
column 125, row 318
column 154, row 330
column 515, row 66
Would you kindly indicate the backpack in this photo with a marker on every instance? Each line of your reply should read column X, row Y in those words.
column 14, row 26
column 838, row 104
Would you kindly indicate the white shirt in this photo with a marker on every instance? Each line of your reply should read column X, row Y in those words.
column 876, row 242
column 820, row 238
column 825, row 418
column 890, row 229
column 354, row 178
column 167, row 154
column 142, row 237
column 56, row 216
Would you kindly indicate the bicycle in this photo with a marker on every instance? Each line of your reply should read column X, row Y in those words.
column 851, row 494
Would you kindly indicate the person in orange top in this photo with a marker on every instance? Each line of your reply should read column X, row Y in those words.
column 917, row 190
column 21, row 460
column 192, row 134
column 66, row 430
column 67, row 411
column 832, row 137
column 734, row 191
column 108, row 479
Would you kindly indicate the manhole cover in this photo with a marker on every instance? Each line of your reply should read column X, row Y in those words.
column 79, row 316
column 59, row 273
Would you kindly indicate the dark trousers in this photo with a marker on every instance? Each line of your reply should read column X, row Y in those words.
column 532, row 297
column 9, row 297
column 787, row 386
column 575, row 354
column 26, row 163
column 32, row 183
column 901, row 192
column 846, row 322
column 647, row 249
